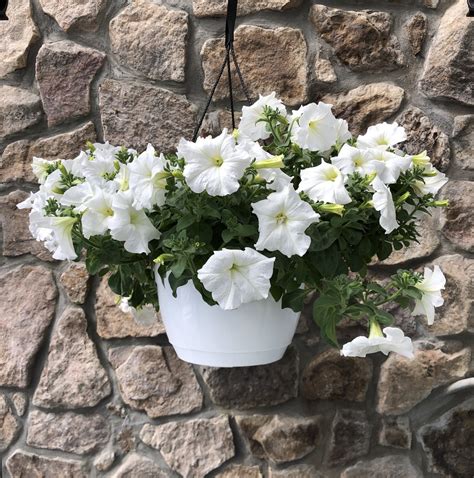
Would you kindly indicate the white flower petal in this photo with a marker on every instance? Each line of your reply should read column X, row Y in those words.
column 382, row 136
column 433, row 282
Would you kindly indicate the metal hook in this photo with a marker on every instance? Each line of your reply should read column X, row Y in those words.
column 3, row 9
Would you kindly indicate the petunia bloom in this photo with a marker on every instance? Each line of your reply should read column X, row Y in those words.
column 282, row 221
column 382, row 136
column 431, row 285
column 353, row 160
column 432, row 182
column 383, row 202
column 235, row 277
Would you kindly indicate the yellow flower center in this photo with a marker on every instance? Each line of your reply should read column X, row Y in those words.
column 217, row 161
column 331, row 175
column 281, row 218
column 313, row 124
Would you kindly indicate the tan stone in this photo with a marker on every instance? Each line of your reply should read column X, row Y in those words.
column 104, row 460
column 457, row 220
column 9, row 425
column 19, row 109
column 457, row 313
column 75, row 280
column 17, row 34
column 463, row 142
column 69, row 432
column 134, row 114
column 192, row 448
column 396, row 466
column 22, row 464
column 449, row 67
column 360, row 39
column 240, row 471
column 73, row 376
column 17, row 238
column 27, row 302
column 82, row 15
column 280, row 438
column 298, row 471
column 20, row 402
column 214, row 8
column 395, row 432
column 151, row 39
column 366, row 105
column 15, row 163
column 415, row 30
column 112, row 323
column 403, row 383
column 423, row 135
column 138, row 466
column 64, row 71
column 329, row 376
column 264, row 71
column 324, row 71
column 153, row 379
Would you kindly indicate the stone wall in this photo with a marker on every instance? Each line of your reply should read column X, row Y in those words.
column 85, row 391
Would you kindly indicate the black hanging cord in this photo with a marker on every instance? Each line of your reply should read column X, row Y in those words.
column 3, row 9
column 470, row 5
column 229, row 57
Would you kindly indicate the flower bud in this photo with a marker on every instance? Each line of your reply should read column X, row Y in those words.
column 273, row 162
column 403, row 198
column 421, row 159
column 162, row 258
column 441, row 203
column 332, row 209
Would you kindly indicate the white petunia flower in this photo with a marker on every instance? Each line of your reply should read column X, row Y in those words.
column 214, row 165
column 131, row 225
column 282, row 221
column 432, row 183
column 342, row 131
column 105, row 151
column 122, row 178
column 235, row 277
column 324, row 183
column 98, row 213
column 148, row 179
column 351, row 160
column 40, row 167
column 394, row 341
column 394, row 164
column 62, row 232
column 383, row 202
column 76, row 196
column 316, row 128
column 431, row 285
column 382, row 136
column 145, row 316
column 250, row 126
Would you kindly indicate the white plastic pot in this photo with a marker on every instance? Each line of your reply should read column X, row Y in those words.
column 256, row 333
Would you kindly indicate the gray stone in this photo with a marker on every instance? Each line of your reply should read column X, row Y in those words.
column 449, row 67
column 447, row 442
column 17, row 34
column 248, row 387
column 22, row 464
column 9, row 425
column 403, row 383
column 69, row 432
column 135, row 115
column 298, row 471
column 366, row 104
column 75, row 280
column 433, row 4
column 104, row 460
column 240, row 471
column 396, row 466
column 27, row 302
column 73, row 376
column 81, row 15
column 264, row 72
column 415, row 29
column 329, row 376
column 19, row 109
column 112, row 323
column 458, row 221
column 280, row 438
column 350, row 437
column 205, row 8
column 192, row 448
column 15, row 163
column 20, row 402
column 64, row 71
column 151, row 39
column 424, row 135
column 324, row 71
column 138, row 466
column 361, row 39
column 395, row 432
column 153, row 379
column 463, row 142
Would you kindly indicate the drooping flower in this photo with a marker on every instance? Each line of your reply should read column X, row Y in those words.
column 282, row 221
column 148, row 179
column 316, row 128
column 62, row 232
column 431, row 285
column 393, row 164
column 250, row 126
column 383, row 202
column 382, row 136
column 131, row 225
column 432, row 182
column 236, row 277
column 324, row 183
column 350, row 160
column 214, row 165
column 394, row 341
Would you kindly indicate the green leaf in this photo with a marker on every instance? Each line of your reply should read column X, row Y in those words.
column 178, row 267
column 294, row 300
column 185, row 221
